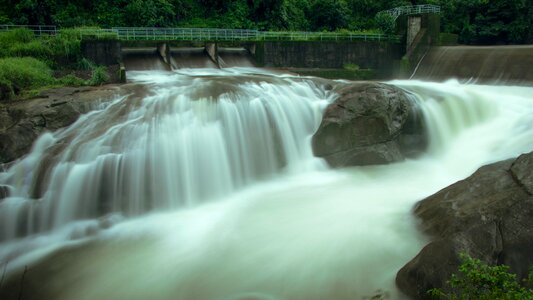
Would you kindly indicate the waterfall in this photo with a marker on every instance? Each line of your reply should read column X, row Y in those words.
column 193, row 141
column 206, row 188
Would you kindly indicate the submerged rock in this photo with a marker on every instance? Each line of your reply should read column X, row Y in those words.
column 487, row 216
column 369, row 123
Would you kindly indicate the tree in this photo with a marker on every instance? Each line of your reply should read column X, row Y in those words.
column 149, row 13
column 329, row 15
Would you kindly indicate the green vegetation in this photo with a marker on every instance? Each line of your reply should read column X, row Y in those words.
column 28, row 63
column 479, row 281
column 487, row 21
column 475, row 21
column 19, row 74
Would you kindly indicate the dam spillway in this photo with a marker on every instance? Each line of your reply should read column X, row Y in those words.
column 510, row 65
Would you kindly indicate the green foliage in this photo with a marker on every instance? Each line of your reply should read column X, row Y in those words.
column 22, row 73
column 20, row 35
column 475, row 21
column 71, row 80
column 61, row 48
column 99, row 76
column 386, row 23
column 487, row 21
column 479, row 281
column 329, row 15
column 448, row 39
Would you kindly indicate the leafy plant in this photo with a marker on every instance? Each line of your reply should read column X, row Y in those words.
column 386, row 23
column 71, row 80
column 479, row 281
column 99, row 76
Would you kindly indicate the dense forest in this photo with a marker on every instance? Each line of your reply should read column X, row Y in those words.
column 476, row 21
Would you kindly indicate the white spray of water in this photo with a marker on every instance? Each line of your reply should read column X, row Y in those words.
column 306, row 233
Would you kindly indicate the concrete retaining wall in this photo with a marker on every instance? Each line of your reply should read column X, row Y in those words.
column 383, row 57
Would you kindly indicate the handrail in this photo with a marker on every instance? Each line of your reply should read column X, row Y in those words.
column 208, row 34
column 38, row 30
column 411, row 10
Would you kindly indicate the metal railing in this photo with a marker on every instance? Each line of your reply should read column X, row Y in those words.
column 411, row 10
column 207, row 34
column 211, row 34
column 38, row 30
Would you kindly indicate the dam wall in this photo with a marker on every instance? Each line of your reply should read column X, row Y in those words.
column 381, row 56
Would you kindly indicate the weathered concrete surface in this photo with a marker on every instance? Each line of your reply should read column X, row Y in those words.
column 369, row 123
column 102, row 52
column 383, row 57
column 487, row 215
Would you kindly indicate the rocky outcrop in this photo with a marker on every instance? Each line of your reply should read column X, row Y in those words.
column 369, row 123
column 487, row 216
column 21, row 122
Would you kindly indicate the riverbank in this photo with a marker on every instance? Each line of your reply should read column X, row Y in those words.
column 21, row 122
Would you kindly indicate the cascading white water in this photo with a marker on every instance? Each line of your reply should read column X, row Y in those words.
column 278, row 226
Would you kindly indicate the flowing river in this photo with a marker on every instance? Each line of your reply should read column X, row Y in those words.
column 207, row 188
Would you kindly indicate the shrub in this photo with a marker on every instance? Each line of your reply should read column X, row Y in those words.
column 479, row 281
column 71, row 80
column 21, row 73
column 386, row 23
column 20, row 35
column 99, row 76
column 34, row 48
column 85, row 64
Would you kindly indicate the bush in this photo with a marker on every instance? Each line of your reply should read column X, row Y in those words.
column 71, row 80
column 21, row 73
column 479, row 281
column 99, row 76
column 6, row 89
column 34, row 48
column 20, row 35
column 85, row 64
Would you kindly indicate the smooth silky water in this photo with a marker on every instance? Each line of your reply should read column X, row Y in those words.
column 206, row 188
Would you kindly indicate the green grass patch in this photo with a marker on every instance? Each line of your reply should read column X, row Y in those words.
column 22, row 73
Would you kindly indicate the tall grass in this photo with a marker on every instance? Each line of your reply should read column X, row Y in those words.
column 57, row 50
column 22, row 73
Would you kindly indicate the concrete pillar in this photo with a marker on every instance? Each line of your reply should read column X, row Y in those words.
column 414, row 24
column 212, row 51
column 164, row 52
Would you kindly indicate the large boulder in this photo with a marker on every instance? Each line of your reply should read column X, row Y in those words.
column 369, row 123
column 21, row 122
column 487, row 216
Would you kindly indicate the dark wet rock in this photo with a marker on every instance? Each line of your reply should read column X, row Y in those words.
column 369, row 123
column 487, row 216
column 22, row 121
column 4, row 192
